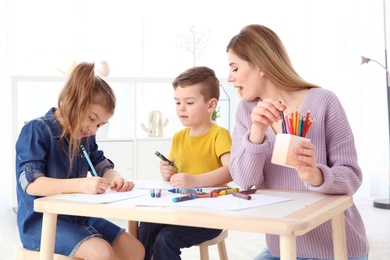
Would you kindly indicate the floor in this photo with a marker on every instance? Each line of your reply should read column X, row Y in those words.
column 240, row 245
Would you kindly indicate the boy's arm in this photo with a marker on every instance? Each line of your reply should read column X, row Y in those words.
column 216, row 177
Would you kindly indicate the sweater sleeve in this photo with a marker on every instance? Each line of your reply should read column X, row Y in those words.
column 335, row 148
column 247, row 159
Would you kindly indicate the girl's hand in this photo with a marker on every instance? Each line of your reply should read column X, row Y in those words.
column 264, row 115
column 307, row 164
column 121, row 184
column 94, row 185
column 167, row 170
column 183, row 180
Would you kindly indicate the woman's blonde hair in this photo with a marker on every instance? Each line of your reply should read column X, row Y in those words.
column 81, row 90
column 260, row 46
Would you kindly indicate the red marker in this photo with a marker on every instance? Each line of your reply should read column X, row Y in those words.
column 242, row 196
column 250, row 191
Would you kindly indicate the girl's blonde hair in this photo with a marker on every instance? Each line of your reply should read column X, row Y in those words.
column 260, row 46
column 81, row 90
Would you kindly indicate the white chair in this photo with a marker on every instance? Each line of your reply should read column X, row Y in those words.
column 219, row 241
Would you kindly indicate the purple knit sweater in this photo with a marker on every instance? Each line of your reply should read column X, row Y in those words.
column 336, row 157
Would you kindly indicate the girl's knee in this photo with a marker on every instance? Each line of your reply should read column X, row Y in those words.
column 95, row 248
column 128, row 247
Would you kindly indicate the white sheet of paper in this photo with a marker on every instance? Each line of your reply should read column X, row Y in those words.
column 151, row 184
column 225, row 202
column 141, row 197
column 107, row 197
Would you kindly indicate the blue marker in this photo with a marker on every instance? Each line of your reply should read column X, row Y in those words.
column 184, row 198
column 88, row 160
column 184, row 191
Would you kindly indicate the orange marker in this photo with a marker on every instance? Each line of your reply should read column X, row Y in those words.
column 207, row 195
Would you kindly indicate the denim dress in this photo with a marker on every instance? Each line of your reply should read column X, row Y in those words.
column 39, row 153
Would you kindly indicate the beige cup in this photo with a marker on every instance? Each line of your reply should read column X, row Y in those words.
column 283, row 149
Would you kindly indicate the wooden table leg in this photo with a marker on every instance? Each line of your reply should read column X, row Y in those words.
column 49, row 225
column 133, row 228
column 288, row 247
column 339, row 237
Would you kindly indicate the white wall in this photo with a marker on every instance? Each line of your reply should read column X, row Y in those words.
column 324, row 38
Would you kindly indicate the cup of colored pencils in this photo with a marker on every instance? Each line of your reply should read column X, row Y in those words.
column 296, row 124
column 294, row 131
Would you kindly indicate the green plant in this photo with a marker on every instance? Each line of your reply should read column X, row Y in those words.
column 215, row 114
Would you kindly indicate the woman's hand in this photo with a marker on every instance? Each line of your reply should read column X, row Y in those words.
column 167, row 170
column 264, row 115
column 307, row 164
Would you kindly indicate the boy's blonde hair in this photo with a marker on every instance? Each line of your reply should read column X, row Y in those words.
column 203, row 76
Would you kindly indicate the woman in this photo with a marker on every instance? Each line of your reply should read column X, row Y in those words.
column 262, row 72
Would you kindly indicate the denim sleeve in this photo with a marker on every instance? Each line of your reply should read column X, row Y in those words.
column 30, row 152
column 100, row 162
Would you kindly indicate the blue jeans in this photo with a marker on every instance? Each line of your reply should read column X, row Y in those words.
column 266, row 255
column 164, row 242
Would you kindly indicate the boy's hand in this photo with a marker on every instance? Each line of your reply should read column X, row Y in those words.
column 167, row 170
column 121, row 184
column 183, row 180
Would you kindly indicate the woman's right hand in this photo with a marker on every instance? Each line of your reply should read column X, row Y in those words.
column 167, row 170
column 264, row 115
column 94, row 185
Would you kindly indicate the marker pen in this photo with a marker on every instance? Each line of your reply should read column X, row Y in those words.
column 206, row 195
column 183, row 191
column 229, row 191
column 162, row 157
column 242, row 196
column 88, row 160
column 250, row 191
column 184, row 198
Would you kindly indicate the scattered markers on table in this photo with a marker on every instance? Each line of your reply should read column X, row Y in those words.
column 155, row 193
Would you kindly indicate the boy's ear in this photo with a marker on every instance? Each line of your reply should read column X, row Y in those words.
column 213, row 104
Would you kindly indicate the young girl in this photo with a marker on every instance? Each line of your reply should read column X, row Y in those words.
column 49, row 161
column 262, row 72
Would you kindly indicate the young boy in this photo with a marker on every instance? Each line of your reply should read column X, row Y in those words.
column 201, row 152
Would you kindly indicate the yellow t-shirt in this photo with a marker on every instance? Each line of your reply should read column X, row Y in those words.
column 200, row 154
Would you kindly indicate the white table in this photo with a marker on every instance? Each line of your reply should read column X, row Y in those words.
column 300, row 216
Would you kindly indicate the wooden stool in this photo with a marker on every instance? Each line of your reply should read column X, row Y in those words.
column 219, row 241
column 21, row 253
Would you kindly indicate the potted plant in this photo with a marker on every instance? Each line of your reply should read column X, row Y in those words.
column 215, row 114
